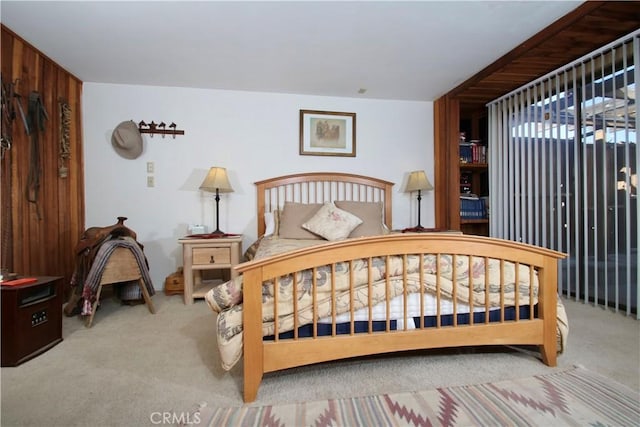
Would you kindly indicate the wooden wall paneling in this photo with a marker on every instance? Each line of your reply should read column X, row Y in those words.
column 46, row 245
column 439, row 172
column 48, row 196
column 447, row 190
column 71, row 187
column 63, row 217
column 76, row 165
column 70, row 218
column 19, row 152
column 20, row 247
column 6, row 258
column 32, row 73
column 453, row 157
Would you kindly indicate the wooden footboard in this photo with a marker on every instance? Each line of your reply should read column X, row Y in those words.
column 437, row 256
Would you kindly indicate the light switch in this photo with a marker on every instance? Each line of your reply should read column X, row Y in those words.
column 150, row 181
column 149, row 167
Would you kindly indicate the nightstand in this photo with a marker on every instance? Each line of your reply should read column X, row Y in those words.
column 200, row 254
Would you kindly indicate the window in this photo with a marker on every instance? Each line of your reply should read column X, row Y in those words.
column 564, row 156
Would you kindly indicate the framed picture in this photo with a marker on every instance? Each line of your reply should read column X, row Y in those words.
column 327, row 133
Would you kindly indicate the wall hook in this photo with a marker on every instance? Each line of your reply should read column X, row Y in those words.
column 159, row 128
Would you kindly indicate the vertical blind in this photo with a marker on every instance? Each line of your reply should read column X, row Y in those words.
column 563, row 171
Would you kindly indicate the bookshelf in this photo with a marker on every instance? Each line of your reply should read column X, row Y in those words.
column 474, row 179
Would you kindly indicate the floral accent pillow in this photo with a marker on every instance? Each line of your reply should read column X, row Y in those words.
column 332, row 223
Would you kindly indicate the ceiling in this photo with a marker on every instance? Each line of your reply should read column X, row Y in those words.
column 415, row 50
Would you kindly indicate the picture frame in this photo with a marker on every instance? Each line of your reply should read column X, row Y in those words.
column 327, row 133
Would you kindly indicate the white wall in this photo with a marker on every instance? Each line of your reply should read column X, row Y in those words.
column 255, row 136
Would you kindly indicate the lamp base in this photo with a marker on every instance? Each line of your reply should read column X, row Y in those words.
column 218, row 232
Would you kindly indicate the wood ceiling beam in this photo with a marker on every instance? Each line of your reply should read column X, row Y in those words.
column 523, row 48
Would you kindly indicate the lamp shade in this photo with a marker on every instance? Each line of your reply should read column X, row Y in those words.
column 216, row 180
column 418, row 181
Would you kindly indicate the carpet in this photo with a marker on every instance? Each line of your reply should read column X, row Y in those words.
column 574, row 397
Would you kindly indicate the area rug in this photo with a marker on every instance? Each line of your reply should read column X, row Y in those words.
column 574, row 397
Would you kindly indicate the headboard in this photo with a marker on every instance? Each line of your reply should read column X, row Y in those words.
column 320, row 187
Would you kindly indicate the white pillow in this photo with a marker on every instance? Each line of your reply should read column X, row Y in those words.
column 270, row 223
column 332, row 223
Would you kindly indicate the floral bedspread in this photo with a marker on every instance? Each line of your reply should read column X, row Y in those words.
column 226, row 299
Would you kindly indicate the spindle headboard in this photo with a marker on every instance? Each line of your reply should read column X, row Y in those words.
column 320, row 187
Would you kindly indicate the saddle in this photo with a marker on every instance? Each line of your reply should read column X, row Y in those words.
column 92, row 237
column 85, row 253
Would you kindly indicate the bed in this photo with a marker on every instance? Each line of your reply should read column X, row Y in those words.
column 348, row 285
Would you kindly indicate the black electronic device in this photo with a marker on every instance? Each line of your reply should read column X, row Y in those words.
column 31, row 319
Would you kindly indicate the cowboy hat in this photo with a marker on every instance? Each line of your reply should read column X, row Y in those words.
column 127, row 140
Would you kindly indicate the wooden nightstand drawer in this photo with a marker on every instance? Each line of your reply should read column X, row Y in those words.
column 211, row 256
column 208, row 255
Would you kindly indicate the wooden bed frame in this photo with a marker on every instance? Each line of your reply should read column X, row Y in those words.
column 263, row 356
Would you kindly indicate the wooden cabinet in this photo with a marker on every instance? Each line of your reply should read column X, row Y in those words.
column 219, row 254
column 31, row 319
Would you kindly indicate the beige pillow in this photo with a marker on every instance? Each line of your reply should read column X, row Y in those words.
column 371, row 215
column 293, row 216
column 332, row 223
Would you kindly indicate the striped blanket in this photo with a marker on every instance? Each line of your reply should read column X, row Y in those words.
column 94, row 276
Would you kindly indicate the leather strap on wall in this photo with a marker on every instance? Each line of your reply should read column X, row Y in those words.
column 36, row 115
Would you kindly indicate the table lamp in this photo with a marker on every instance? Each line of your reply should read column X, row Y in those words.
column 417, row 182
column 217, row 182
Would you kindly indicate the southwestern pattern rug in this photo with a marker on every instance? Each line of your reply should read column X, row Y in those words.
column 575, row 397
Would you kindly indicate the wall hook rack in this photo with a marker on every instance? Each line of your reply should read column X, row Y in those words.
column 159, row 128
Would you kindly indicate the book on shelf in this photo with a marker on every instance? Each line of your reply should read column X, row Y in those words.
column 473, row 152
column 472, row 207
